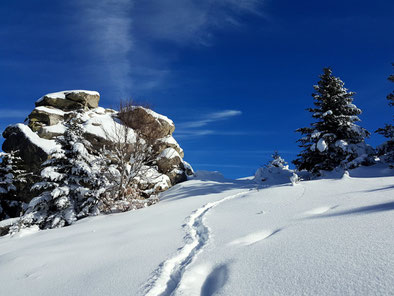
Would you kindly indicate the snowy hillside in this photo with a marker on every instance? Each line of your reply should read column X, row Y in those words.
column 209, row 235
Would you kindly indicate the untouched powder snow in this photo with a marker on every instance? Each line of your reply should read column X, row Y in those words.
column 169, row 153
column 57, row 129
column 106, row 126
column 213, row 236
column 46, row 145
column 62, row 94
column 321, row 145
column 50, row 110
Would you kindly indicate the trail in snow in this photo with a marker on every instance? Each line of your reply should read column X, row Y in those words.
column 167, row 277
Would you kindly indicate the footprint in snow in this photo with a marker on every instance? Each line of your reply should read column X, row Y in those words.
column 319, row 211
column 203, row 280
column 215, row 280
column 253, row 238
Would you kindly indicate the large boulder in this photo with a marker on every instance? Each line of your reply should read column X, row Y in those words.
column 151, row 124
column 52, row 131
column 167, row 142
column 177, row 176
column 87, row 98
column 33, row 149
column 168, row 160
column 43, row 116
column 70, row 100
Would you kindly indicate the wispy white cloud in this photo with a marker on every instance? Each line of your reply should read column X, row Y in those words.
column 243, row 153
column 123, row 33
column 192, row 133
column 185, row 133
column 108, row 24
column 190, row 21
column 209, row 118
column 193, row 128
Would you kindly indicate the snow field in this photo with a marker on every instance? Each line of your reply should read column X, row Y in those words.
column 332, row 236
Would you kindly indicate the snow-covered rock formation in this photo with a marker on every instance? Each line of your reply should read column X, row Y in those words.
column 35, row 139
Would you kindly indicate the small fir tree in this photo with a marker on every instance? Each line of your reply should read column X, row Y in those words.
column 333, row 139
column 277, row 161
column 275, row 172
column 71, row 182
column 386, row 150
column 12, row 176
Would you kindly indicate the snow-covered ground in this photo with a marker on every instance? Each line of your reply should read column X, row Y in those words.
column 333, row 236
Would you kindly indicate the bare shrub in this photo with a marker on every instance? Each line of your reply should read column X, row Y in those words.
column 128, row 157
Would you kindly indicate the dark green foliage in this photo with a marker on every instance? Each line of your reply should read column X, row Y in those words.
column 12, row 176
column 333, row 139
column 386, row 150
column 70, row 185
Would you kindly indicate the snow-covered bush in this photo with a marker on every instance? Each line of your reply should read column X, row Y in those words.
column 126, row 156
column 334, row 139
column 275, row 172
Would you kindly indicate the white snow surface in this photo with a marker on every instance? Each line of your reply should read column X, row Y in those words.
column 46, row 145
column 106, row 126
column 62, row 94
column 56, row 129
column 331, row 236
column 50, row 110
column 169, row 153
column 321, row 145
column 168, row 140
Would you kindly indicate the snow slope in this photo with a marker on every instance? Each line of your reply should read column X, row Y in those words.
column 209, row 235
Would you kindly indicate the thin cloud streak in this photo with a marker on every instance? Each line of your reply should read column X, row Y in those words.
column 244, row 153
column 181, row 133
column 122, row 34
column 209, row 118
column 109, row 25
column 192, row 129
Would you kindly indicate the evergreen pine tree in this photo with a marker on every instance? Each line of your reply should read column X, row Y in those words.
column 390, row 97
column 386, row 150
column 12, row 176
column 334, row 139
column 71, row 182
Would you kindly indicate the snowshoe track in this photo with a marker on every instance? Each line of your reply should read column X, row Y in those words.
column 168, row 275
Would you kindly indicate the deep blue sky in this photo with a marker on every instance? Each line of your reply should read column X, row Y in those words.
column 235, row 76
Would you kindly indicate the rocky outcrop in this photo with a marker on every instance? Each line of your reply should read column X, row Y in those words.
column 44, row 116
column 32, row 148
column 168, row 142
column 36, row 138
column 70, row 100
column 168, row 160
column 149, row 123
